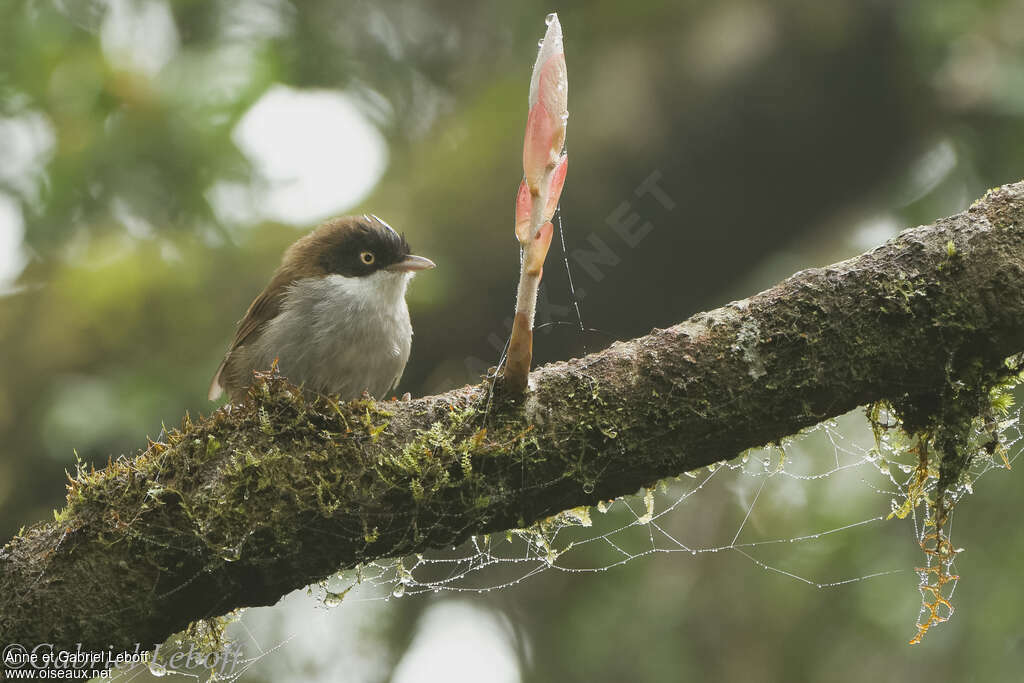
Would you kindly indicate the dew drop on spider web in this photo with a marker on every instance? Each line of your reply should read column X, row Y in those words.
column 333, row 599
column 649, row 504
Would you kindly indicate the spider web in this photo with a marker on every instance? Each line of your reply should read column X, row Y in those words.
column 762, row 507
column 863, row 477
column 628, row 528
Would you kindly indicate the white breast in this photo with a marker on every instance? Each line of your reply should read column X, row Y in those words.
column 340, row 335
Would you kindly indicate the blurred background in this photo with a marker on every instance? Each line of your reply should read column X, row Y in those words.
column 157, row 156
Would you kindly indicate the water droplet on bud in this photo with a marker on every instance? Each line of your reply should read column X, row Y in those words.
column 550, row 19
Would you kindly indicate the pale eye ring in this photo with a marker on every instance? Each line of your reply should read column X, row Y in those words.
column 367, row 257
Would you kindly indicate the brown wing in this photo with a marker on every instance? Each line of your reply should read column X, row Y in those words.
column 299, row 261
column 263, row 309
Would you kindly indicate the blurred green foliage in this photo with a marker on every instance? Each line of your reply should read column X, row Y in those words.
column 778, row 129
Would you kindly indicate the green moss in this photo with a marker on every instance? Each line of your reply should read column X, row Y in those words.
column 293, row 472
column 947, row 432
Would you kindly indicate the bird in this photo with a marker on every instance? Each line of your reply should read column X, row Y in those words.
column 333, row 317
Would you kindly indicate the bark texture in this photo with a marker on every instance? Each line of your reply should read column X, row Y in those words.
column 240, row 508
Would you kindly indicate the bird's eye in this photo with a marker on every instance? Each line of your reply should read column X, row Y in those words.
column 367, row 257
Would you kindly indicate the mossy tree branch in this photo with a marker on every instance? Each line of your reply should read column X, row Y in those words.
column 240, row 508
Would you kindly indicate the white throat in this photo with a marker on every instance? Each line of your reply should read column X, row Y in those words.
column 380, row 292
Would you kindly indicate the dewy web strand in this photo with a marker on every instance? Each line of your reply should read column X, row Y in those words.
column 873, row 479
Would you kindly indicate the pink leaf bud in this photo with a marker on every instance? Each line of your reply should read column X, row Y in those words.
column 536, row 250
column 549, row 47
column 541, row 135
column 556, row 182
column 548, row 114
column 524, row 207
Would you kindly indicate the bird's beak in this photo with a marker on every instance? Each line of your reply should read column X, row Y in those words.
column 411, row 264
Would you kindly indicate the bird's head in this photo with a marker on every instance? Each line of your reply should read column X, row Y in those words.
column 357, row 247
